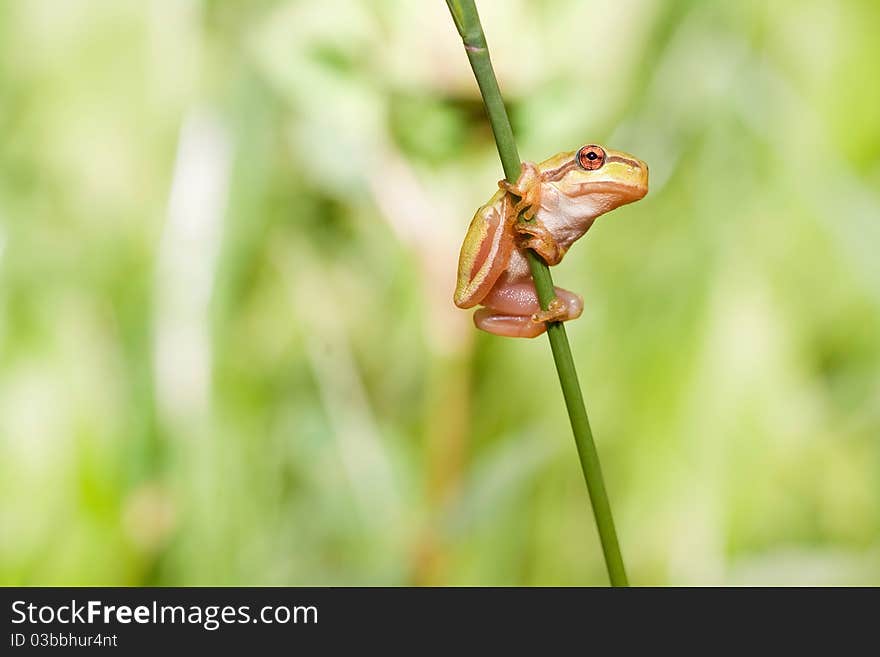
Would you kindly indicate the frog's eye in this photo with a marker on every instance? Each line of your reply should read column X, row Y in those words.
column 590, row 157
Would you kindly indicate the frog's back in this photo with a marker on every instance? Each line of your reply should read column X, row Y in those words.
column 484, row 252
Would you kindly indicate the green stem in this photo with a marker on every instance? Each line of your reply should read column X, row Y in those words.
column 467, row 21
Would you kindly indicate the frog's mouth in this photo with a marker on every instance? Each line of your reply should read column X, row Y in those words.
column 627, row 193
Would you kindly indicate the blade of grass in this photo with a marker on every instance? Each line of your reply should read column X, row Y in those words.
column 467, row 21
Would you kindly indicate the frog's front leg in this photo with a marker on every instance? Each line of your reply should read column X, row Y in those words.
column 533, row 234
column 511, row 309
column 536, row 236
column 528, row 188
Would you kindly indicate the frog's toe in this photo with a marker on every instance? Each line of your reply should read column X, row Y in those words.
column 510, row 187
column 556, row 312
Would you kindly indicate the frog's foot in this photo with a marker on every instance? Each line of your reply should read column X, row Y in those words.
column 528, row 188
column 557, row 311
column 512, row 310
column 535, row 236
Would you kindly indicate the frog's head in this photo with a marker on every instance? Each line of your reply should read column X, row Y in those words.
column 596, row 180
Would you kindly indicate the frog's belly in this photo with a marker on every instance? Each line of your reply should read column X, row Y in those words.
column 517, row 266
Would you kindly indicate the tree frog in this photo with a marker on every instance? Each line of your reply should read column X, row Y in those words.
column 559, row 200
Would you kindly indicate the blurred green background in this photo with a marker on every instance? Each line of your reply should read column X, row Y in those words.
column 228, row 351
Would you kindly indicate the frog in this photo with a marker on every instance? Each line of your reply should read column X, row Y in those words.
column 558, row 201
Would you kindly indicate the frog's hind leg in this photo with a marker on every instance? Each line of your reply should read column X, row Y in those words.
column 512, row 310
column 508, row 326
column 507, row 298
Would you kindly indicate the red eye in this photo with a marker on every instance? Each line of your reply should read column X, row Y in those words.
column 590, row 157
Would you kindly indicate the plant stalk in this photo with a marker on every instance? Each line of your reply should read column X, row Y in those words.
column 467, row 21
